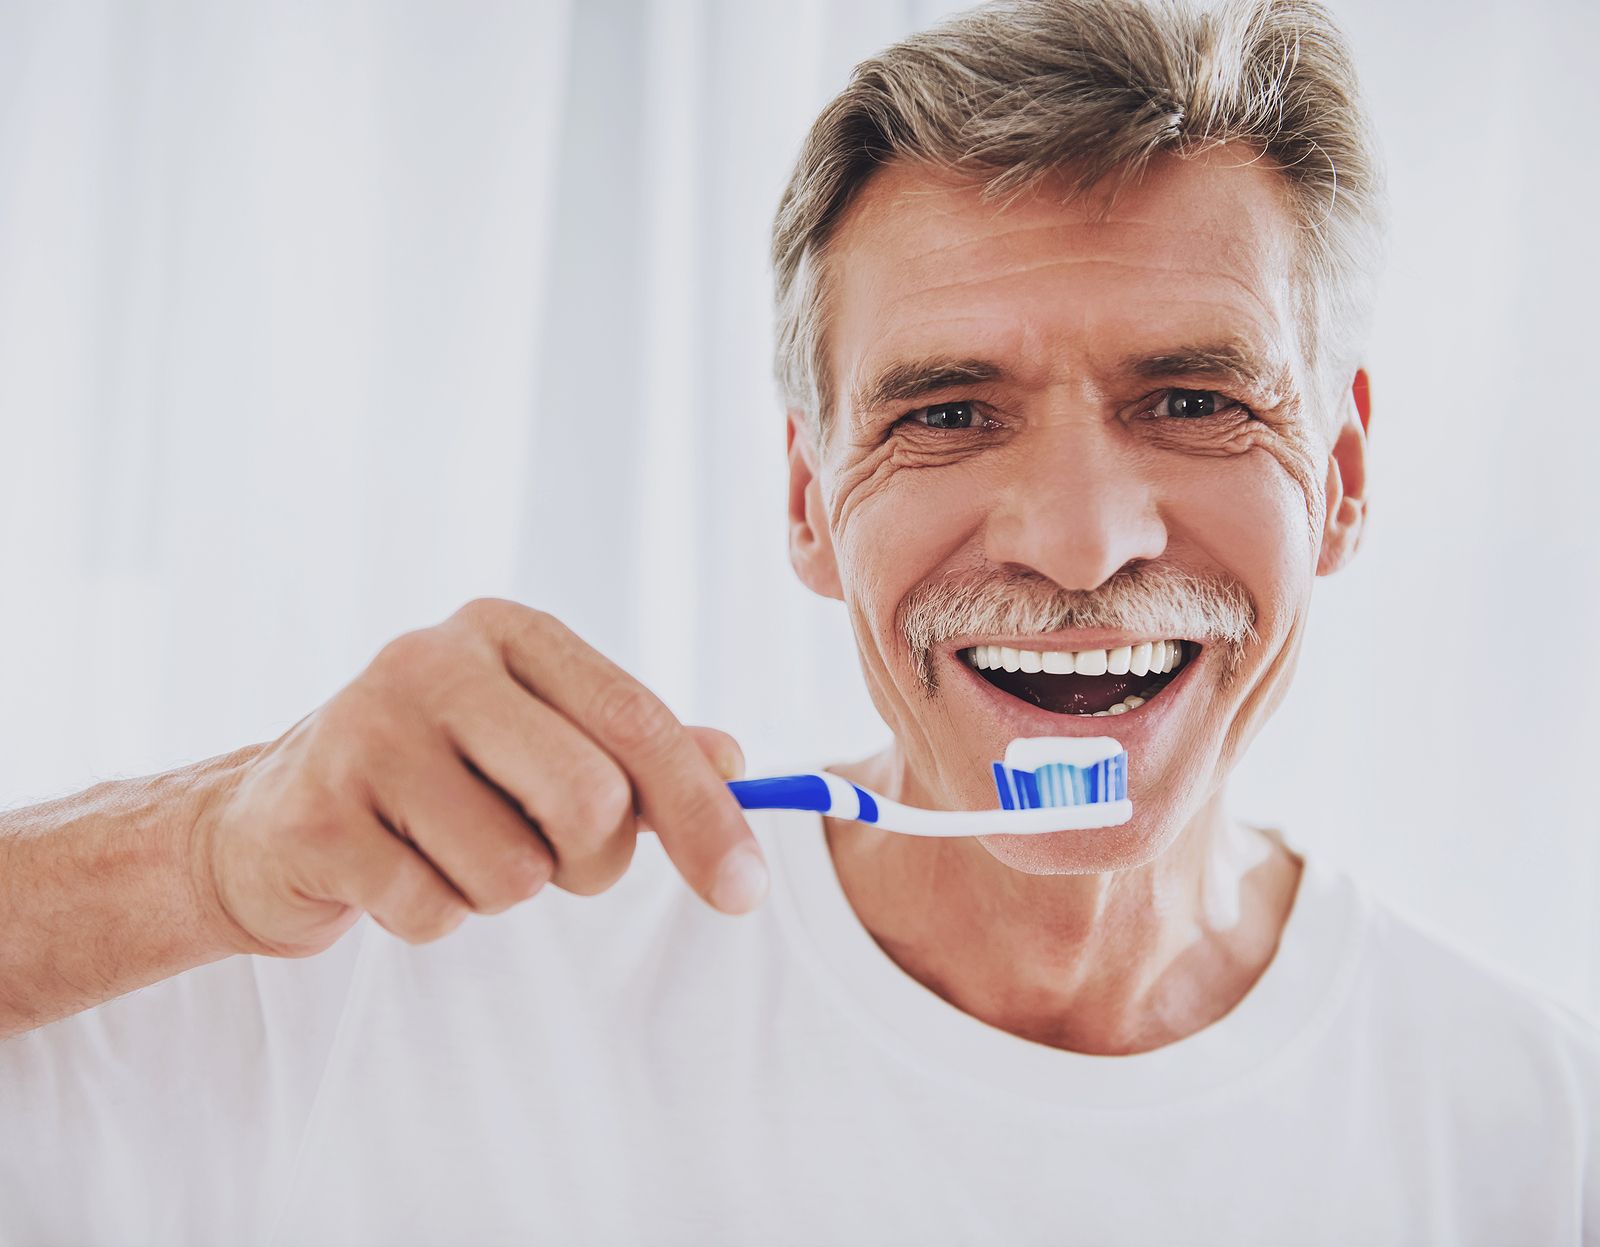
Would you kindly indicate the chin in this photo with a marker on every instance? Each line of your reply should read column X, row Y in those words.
column 1139, row 841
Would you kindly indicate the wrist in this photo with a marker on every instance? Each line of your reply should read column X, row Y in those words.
column 191, row 841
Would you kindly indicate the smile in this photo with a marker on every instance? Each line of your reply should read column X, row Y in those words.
column 1090, row 683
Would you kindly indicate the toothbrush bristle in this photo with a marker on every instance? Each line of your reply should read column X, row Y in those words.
column 1057, row 784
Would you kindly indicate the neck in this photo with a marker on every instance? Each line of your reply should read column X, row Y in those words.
column 1108, row 964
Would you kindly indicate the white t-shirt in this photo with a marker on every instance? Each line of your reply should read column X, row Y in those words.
column 637, row 1068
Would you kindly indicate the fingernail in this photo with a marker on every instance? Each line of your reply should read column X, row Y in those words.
column 742, row 881
column 731, row 765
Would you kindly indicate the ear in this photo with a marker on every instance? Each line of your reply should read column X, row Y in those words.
column 1346, row 518
column 810, row 542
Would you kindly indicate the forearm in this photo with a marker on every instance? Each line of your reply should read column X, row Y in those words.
column 103, row 892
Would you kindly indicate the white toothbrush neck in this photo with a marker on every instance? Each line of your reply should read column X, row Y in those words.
column 914, row 821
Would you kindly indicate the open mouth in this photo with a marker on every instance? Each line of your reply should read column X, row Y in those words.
column 1096, row 682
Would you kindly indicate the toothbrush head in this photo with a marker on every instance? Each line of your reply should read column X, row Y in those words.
column 1042, row 772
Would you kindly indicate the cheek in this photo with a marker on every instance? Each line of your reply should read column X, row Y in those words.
column 896, row 526
column 1249, row 515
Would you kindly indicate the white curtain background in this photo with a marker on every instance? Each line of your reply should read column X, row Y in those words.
column 317, row 320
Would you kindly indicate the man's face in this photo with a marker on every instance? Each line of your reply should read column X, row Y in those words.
column 1062, row 431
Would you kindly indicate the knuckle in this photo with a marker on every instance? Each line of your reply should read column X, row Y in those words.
column 433, row 923
column 501, row 616
column 600, row 870
column 532, row 633
column 418, row 673
column 396, row 887
column 345, row 743
column 633, row 718
column 482, row 612
column 409, row 652
column 600, row 804
column 518, row 877
column 533, row 620
column 514, row 633
column 403, row 670
column 419, row 912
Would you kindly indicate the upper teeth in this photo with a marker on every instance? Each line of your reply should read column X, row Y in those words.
column 1149, row 658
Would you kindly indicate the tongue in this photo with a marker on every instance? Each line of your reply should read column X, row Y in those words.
column 1067, row 694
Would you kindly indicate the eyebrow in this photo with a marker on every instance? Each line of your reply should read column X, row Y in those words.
column 905, row 381
column 1221, row 361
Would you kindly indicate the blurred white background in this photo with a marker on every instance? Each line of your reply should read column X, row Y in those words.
column 318, row 319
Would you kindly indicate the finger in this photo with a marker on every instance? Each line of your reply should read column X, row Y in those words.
column 362, row 863
column 721, row 750
column 676, row 789
column 561, row 781
column 473, row 836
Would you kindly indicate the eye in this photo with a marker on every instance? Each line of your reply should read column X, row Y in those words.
column 1194, row 404
column 958, row 415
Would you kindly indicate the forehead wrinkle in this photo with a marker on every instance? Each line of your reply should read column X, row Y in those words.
column 1124, row 230
column 1111, row 242
column 994, row 237
column 1265, row 301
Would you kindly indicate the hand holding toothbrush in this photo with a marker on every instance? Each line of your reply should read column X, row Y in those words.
column 470, row 764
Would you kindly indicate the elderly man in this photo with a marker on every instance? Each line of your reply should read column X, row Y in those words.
column 1071, row 303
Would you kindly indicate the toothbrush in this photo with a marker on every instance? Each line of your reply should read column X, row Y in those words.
column 1046, row 783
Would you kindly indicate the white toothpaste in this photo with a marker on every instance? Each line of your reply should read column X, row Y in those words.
column 1029, row 753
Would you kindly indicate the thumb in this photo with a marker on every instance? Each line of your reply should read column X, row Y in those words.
column 721, row 750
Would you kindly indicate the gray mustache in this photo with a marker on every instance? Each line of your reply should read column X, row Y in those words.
column 1152, row 599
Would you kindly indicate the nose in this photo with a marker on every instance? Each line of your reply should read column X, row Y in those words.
column 1080, row 503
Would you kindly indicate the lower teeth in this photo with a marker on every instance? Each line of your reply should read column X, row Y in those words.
column 1131, row 702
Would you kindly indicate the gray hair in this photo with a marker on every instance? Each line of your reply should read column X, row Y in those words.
column 1016, row 91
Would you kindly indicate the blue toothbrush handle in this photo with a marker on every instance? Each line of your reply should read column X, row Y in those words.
column 783, row 792
column 823, row 794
